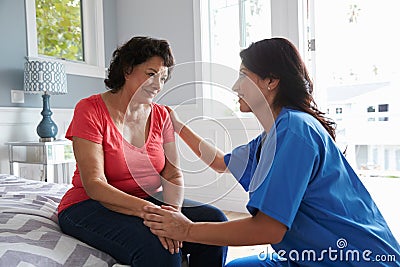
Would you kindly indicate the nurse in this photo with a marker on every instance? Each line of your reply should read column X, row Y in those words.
column 304, row 197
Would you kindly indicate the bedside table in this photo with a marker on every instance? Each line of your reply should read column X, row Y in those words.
column 47, row 154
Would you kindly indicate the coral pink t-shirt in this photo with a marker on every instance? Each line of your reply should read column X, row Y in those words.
column 131, row 169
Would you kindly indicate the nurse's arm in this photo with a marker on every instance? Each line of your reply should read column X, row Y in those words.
column 208, row 153
column 256, row 230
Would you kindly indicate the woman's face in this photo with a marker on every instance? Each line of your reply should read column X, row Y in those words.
column 247, row 88
column 147, row 79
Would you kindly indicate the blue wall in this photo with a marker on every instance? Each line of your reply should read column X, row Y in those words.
column 13, row 50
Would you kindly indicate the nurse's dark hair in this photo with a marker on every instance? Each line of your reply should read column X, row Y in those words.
column 278, row 58
column 136, row 51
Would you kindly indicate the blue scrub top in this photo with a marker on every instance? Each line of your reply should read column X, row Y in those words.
column 304, row 181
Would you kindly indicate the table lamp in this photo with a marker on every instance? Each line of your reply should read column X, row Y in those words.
column 46, row 78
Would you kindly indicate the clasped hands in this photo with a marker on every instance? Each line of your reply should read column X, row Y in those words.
column 169, row 224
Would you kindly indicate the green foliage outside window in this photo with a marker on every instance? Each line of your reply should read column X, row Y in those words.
column 59, row 29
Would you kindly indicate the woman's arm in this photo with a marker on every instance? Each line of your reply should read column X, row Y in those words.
column 171, row 177
column 209, row 154
column 256, row 230
column 90, row 159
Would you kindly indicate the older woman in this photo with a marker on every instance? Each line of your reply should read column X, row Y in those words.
column 126, row 159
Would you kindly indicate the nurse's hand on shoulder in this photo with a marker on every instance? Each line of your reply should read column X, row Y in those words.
column 177, row 123
column 168, row 222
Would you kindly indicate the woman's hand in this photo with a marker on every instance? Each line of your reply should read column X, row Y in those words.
column 177, row 123
column 171, row 245
column 167, row 222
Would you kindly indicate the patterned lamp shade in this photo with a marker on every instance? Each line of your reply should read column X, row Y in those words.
column 45, row 77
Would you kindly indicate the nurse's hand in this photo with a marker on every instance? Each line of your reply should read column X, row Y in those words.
column 177, row 123
column 167, row 222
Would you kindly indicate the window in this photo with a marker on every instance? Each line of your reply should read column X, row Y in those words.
column 359, row 80
column 88, row 49
column 228, row 26
column 363, row 78
column 59, row 29
column 383, row 118
column 383, row 108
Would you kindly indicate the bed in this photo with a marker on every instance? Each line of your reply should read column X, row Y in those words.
column 29, row 232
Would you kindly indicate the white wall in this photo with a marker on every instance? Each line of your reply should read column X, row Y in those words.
column 171, row 20
column 201, row 182
column 19, row 124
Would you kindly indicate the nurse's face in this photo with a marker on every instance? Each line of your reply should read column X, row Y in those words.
column 248, row 90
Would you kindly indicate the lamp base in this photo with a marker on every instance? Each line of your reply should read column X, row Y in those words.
column 46, row 139
column 47, row 129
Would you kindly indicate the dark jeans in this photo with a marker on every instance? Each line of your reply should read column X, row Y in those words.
column 129, row 241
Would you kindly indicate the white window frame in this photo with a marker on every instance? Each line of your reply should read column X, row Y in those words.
column 92, row 17
column 287, row 19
